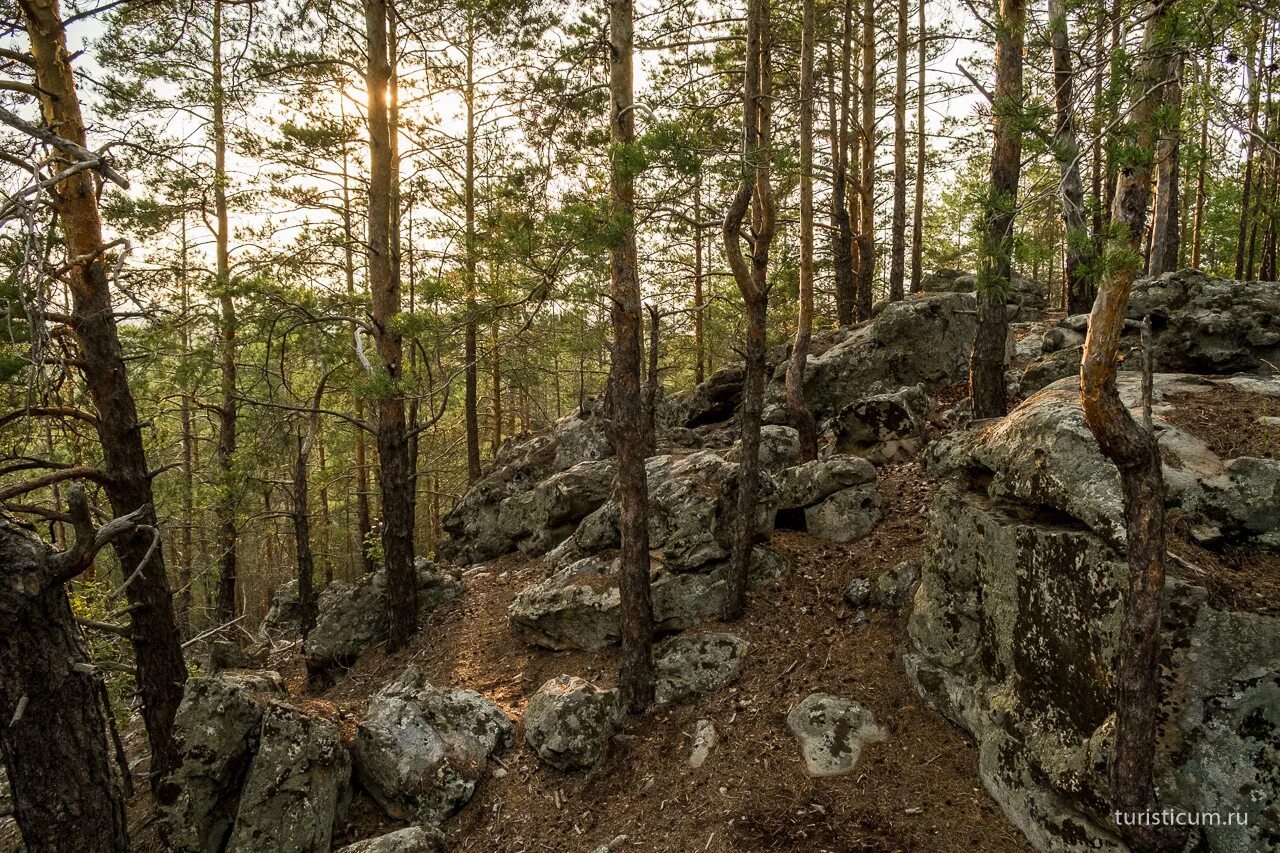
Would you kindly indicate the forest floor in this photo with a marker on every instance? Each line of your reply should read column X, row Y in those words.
column 917, row 791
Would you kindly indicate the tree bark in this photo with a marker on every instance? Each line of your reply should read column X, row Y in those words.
column 651, row 383
column 1165, row 241
column 394, row 470
column 986, row 368
column 1256, row 54
column 153, row 631
column 922, row 154
column 898, row 238
column 800, row 414
column 1132, row 447
column 471, row 380
column 867, row 188
column 755, row 191
column 1202, row 162
column 66, row 796
column 841, row 226
column 225, row 505
column 1079, row 262
column 636, row 675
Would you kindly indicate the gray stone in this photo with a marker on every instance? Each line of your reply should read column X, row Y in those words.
column 216, row 731
column 831, row 731
column 846, row 516
column 298, row 785
column 884, row 427
column 544, row 516
column 779, row 447
column 419, row 751
column 413, row 839
column 858, row 592
column 353, row 616
column 896, row 587
column 815, row 481
column 284, row 616
column 704, row 740
column 569, row 721
column 1054, row 365
column 701, row 663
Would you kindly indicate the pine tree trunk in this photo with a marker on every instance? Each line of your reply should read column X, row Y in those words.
column 1256, row 54
column 154, row 633
column 471, row 381
column 395, row 475
column 922, row 153
column 898, row 239
column 841, row 226
column 302, row 539
column 867, row 190
column 1132, row 447
column 986, row 368
column 699, row 344
column 636, row 676
column 651, row 383
column 1066, row 146
column 66, row 796
column 1202, row 161
column 755, row 191
column 1165, row 227
column 800, row 414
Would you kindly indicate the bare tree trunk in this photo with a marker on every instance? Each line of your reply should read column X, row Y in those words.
column 1164, row 232
column 636, row 676
column 986, row 368
column 1202, row 161
column 495, row 375
column 898, row 239
column 66, row 796
column 1132, row 448
column 157, row 643
column 395, row 474
column 922, row 154
column 1079, row 264
column 302, row 536
column 1256, row 56
column 651, row 382
column 800, row 414
column 471, row 381
column 183, row 613
column 225, row 506
column 699, row 344
column 755, row 191
column 867, row 189
column 841, row 226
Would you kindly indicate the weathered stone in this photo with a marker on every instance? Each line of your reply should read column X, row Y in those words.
column 216, row 730
column 692, row 665
column 704, row 740
column 831, row 732
column 883, row 427
column 858, row 592
column 846, row 516
column 544, row 516
column 779, row 447
column 569, row 721
column 419, row 750
column 1014, row 637
column 298, row 785
column 815, row 481
column 353, row 616
column 896, row 587
column 284, row 616
column 413, row 839
column 1055, row 365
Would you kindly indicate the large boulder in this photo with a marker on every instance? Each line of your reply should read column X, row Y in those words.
column 813, row 482
column 284, row 616
column 353, row 616
column 1014, row 636
column 541, row 518
column 882, row 428
column 419, row 750
column 846, row 516
column 216, row 732
column 1043, row 454
column 1025, row 294
column 569, row 721
column 298, row 785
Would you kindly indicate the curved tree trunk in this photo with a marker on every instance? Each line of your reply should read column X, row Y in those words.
column 1132, row 447
column 154, row 633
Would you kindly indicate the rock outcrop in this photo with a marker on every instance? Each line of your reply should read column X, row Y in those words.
column 1013, row 634
column 419, row 751
column 883, row 427
column 569, row 721
column 353, row 616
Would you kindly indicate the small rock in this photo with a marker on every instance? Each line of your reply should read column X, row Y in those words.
column 569, row 721
column 896, row 587
column 615, row 844
column 831, row 731
column 413, row 839
column 704, row 740
column 689, row 666
column 858, row 592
